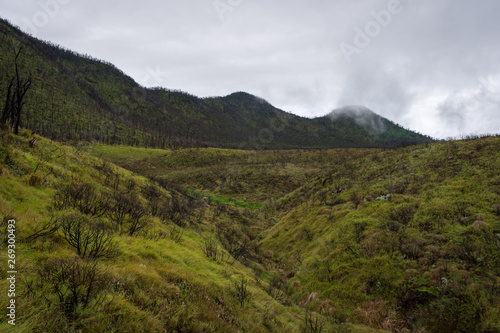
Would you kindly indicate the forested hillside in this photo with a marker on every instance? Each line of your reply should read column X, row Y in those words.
column 75, row 98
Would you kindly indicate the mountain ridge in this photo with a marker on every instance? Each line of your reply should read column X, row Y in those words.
column 78, row 98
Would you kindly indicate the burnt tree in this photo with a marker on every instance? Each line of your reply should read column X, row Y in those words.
column 14, row 102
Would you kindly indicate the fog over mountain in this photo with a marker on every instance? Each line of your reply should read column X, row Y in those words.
column 362, row 116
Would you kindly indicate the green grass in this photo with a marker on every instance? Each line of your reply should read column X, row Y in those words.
column 305, row 229
column 153, row 283
column 227, row 201
column 451, row 229
column 122, row 154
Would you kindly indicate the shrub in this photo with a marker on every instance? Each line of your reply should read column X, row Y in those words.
column 313, row 323
column 358, row 231
column 35, row 181
column 337, row 318
column 89, row 237
column 153, row 195
column 127, row 213
column 72, row 282
column 210, row 247
column 81, row 196
column 239, row 290
column 175, row 234
column 275, row 288
column 472, row 247
column 308, row 233
column 239, row 249
column 401, row 185
column 377, row 313
column 462, row 212
column 136, row 223
column 177, row 211
column 355, row 198
column 130, row 184
column 46, row 228
column 402, row 213
column 450, row 313
column 111, row 178
column 496, row 210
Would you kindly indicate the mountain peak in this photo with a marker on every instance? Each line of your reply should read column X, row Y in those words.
column 363, row 117
column 352, row 111
column 246, row 97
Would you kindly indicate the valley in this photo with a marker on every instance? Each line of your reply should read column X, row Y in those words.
column 224, row 240
column 133, row 209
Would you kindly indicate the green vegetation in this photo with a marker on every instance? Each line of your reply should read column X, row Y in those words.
column 131, row 238
column 226, row 201
column 402, row 240
column 425, row 257
column 76, row 98
column 101, row 249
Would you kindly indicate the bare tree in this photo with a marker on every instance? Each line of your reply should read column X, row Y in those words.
column 14, row 102
column 127, row 213
column 89, row 237
column 210, row 247
column 73, row 282
column 239, row 290
column 83, row 197
column 312, row 322
column 44, row 229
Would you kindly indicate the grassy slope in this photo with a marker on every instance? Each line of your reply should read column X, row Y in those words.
column 426, row 257
column 244, row 175
column 153, row 283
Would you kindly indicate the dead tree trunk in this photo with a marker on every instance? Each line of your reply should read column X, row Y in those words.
column 14, row 101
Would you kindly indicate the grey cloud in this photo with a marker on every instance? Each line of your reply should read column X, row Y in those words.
column 466, row 106
column 413, row 72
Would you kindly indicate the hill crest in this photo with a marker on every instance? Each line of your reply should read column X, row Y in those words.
column 78, row 98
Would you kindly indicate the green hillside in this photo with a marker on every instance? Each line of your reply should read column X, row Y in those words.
column 405, row 240
column 125, row 209
column 101, row 249
column 76, row 98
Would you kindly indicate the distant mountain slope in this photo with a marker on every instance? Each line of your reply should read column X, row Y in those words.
column 79, row 98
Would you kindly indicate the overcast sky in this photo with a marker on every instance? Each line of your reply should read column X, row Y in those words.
column 430, row 65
